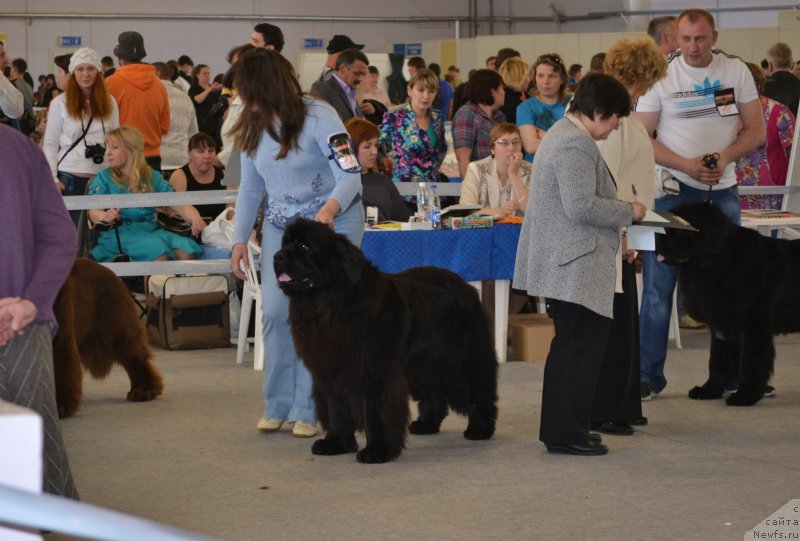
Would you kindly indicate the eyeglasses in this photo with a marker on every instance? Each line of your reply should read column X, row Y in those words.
column 550, row 57
column 506, row 142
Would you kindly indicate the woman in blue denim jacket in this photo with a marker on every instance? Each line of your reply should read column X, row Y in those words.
column 284, row 136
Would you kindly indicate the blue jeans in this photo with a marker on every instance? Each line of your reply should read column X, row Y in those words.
column 74, row 185
column 287, row 382
column 658, row 283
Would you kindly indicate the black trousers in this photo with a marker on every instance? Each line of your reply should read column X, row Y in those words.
column 617, row 395
column 570, row 373
column 154, row 162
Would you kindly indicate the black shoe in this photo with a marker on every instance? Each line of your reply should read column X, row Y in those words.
column 613, row 428
column 641, row 421
column 597, row 438
column 769, row 391
column 645, row 391
column 587, row 448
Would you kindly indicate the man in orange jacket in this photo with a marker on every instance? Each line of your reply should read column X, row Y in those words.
column 140, row 94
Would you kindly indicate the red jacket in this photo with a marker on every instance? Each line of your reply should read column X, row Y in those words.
column 143, row 103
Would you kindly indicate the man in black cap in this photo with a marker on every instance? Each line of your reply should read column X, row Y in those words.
column 336, row 45
column 141, row 97
column 267, row 36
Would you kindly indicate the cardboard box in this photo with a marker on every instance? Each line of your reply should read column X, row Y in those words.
column 531, row 335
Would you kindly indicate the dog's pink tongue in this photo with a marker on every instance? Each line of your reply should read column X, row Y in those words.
column 284, row 278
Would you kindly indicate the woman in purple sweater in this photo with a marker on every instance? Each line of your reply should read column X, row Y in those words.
column 36, row 255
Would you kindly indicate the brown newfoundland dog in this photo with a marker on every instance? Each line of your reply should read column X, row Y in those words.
column 98, row 325
column 745, row 286
column 370, row 339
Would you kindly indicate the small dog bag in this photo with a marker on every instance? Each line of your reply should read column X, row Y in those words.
column 188, row 312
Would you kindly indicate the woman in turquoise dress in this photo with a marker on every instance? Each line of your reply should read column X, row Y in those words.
column 139, row 235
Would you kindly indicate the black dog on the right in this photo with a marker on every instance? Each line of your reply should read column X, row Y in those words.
column 745, row 286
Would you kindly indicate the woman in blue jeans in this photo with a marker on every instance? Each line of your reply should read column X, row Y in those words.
column 286, row 140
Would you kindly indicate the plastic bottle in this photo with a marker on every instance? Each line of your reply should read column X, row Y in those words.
column 423, row 202
column 435, row 208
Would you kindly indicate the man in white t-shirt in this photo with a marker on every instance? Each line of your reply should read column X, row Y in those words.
column 693, row 113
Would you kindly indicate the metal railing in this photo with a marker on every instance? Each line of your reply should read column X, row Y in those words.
column 45, row 512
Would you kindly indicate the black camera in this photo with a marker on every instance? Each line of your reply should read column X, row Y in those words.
column 710, row 160
column 96, row 153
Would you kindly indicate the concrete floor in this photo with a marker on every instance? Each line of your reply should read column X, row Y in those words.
column 193, row 459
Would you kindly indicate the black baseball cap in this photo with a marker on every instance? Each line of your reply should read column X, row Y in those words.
column 130, row 46
column 340, row 42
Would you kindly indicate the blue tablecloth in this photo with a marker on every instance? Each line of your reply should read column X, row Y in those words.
column 474, row 254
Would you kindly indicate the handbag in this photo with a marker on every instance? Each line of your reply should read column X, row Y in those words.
column 173, row 223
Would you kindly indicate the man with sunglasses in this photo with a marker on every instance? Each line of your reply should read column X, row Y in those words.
column 693, row 115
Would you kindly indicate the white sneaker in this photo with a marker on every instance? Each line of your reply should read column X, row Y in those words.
column 269, row 425
column 303, row 430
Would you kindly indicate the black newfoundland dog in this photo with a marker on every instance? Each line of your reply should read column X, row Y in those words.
column 370, row 339
column 745, row 286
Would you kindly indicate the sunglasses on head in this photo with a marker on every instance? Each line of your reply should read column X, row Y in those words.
column 549, row 57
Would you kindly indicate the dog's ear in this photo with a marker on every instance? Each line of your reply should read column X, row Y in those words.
column 352, row 260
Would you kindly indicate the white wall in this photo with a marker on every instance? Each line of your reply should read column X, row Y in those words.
column 208, row 41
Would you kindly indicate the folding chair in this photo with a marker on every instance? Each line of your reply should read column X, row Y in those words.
column 250, row 295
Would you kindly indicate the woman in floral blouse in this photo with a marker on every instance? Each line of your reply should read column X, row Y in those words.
column 768, row 165
column 416, row 132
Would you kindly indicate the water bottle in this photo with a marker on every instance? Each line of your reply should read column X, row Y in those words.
column 435, row 208
column 423, row 202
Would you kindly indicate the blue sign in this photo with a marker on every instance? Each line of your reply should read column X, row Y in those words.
column 312, row 43
column 400, row 48
column 413, row 49
column 71, row 41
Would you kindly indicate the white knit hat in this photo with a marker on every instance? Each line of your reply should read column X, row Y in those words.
column 85, row 55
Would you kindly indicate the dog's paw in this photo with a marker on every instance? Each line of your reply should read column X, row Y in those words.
column 421, row 428
column 139, row 394
column 705, row 393
column 330, row 447
column 63, row 412
column 67, row 410
column 743, row 397
column 374, row 455
column 483, row 432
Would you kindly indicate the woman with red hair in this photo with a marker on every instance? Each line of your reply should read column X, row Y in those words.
column 76, row 125
column 378, row 191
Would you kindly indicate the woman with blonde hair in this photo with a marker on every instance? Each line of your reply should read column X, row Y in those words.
column 139, row 235
column 415, row 132
column 514, row 72
column 638, row 64
column 76, row 124
column 547, row 105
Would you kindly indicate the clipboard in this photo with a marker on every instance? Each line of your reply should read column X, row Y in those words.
column 459, row 211
column 664, row 220
column 642, row 235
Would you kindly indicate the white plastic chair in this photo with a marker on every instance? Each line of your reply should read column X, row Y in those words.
column 251, row 294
